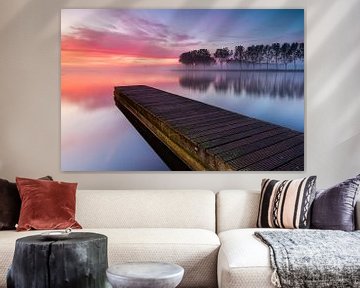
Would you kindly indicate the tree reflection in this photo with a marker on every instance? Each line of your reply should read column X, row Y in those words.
column 260, row 83
column 196, row 83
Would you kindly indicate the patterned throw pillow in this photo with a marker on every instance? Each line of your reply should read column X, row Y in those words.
column 286, row 204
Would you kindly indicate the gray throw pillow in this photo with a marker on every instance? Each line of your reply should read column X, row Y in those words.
column 334, row 208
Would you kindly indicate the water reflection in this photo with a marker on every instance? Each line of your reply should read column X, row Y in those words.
column 273, row 84
column 93, row 89
column 95, row 136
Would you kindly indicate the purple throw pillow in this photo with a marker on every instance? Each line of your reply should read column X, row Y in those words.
column 9, row 205
column 334, row 208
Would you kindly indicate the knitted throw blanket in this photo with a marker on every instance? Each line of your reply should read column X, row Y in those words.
column 313, row 258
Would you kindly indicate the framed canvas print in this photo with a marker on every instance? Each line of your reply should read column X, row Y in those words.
column 182, row 89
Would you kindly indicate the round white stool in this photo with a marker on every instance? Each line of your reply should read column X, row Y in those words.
column 145, row 275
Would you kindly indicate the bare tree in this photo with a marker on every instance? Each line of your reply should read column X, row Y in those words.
column 259, row 50
column 275, row 48
column 239, row 54
column 252, row 55
column 293, row 48
column 223, row 54
column 267, row 55
column 285, row 54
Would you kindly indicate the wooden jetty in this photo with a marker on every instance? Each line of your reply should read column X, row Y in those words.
column 205, row 137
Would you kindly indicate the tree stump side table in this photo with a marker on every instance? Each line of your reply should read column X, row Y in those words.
column 78, row 261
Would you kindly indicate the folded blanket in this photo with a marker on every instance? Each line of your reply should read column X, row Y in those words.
column 313, row 258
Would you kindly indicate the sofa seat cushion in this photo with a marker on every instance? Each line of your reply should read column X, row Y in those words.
column 194, row 249
column 244, row 261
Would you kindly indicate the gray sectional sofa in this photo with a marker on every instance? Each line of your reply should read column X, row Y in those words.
column 210, row 235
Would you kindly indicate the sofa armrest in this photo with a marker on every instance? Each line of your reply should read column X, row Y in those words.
column 357, row 215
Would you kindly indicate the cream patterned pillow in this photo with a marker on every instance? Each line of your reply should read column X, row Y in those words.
column 286, row 204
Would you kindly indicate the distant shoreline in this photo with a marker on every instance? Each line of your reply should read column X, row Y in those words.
column 238, row 70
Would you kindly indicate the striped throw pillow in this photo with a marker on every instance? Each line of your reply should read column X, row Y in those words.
column 286, row 204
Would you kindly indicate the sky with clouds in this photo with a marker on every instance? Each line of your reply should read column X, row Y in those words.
column 158, row 37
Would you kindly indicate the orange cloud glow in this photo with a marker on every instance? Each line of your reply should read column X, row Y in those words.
column 91, row 59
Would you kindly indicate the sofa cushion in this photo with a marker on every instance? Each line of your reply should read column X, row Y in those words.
column 194, row 249
column 244, row 260
column 286, row 204
column 153, row 209
column 46, row 204
column 236, row 209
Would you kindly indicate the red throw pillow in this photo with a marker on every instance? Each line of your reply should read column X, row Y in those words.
column 46, row 204
column 10, row 204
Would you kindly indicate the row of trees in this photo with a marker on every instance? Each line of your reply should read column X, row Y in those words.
column 256, row 54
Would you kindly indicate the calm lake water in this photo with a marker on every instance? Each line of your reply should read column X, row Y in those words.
column 96, row 136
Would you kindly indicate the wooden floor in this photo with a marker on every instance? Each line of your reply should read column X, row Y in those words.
column 205, row 137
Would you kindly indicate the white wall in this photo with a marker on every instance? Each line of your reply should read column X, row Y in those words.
column 30, row 94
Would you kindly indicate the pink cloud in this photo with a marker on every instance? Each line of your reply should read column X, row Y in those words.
column 139, row 37
column 88, row 40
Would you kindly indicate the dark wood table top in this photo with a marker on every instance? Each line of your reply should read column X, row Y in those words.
column 72, row 238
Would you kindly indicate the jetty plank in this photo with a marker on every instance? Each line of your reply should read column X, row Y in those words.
column 279, row 149
column 206, row 137
column 294, row 164
column 277, row 159
column 205, row 120
column 255, row 129
column 257, row 139
column 253, row 145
